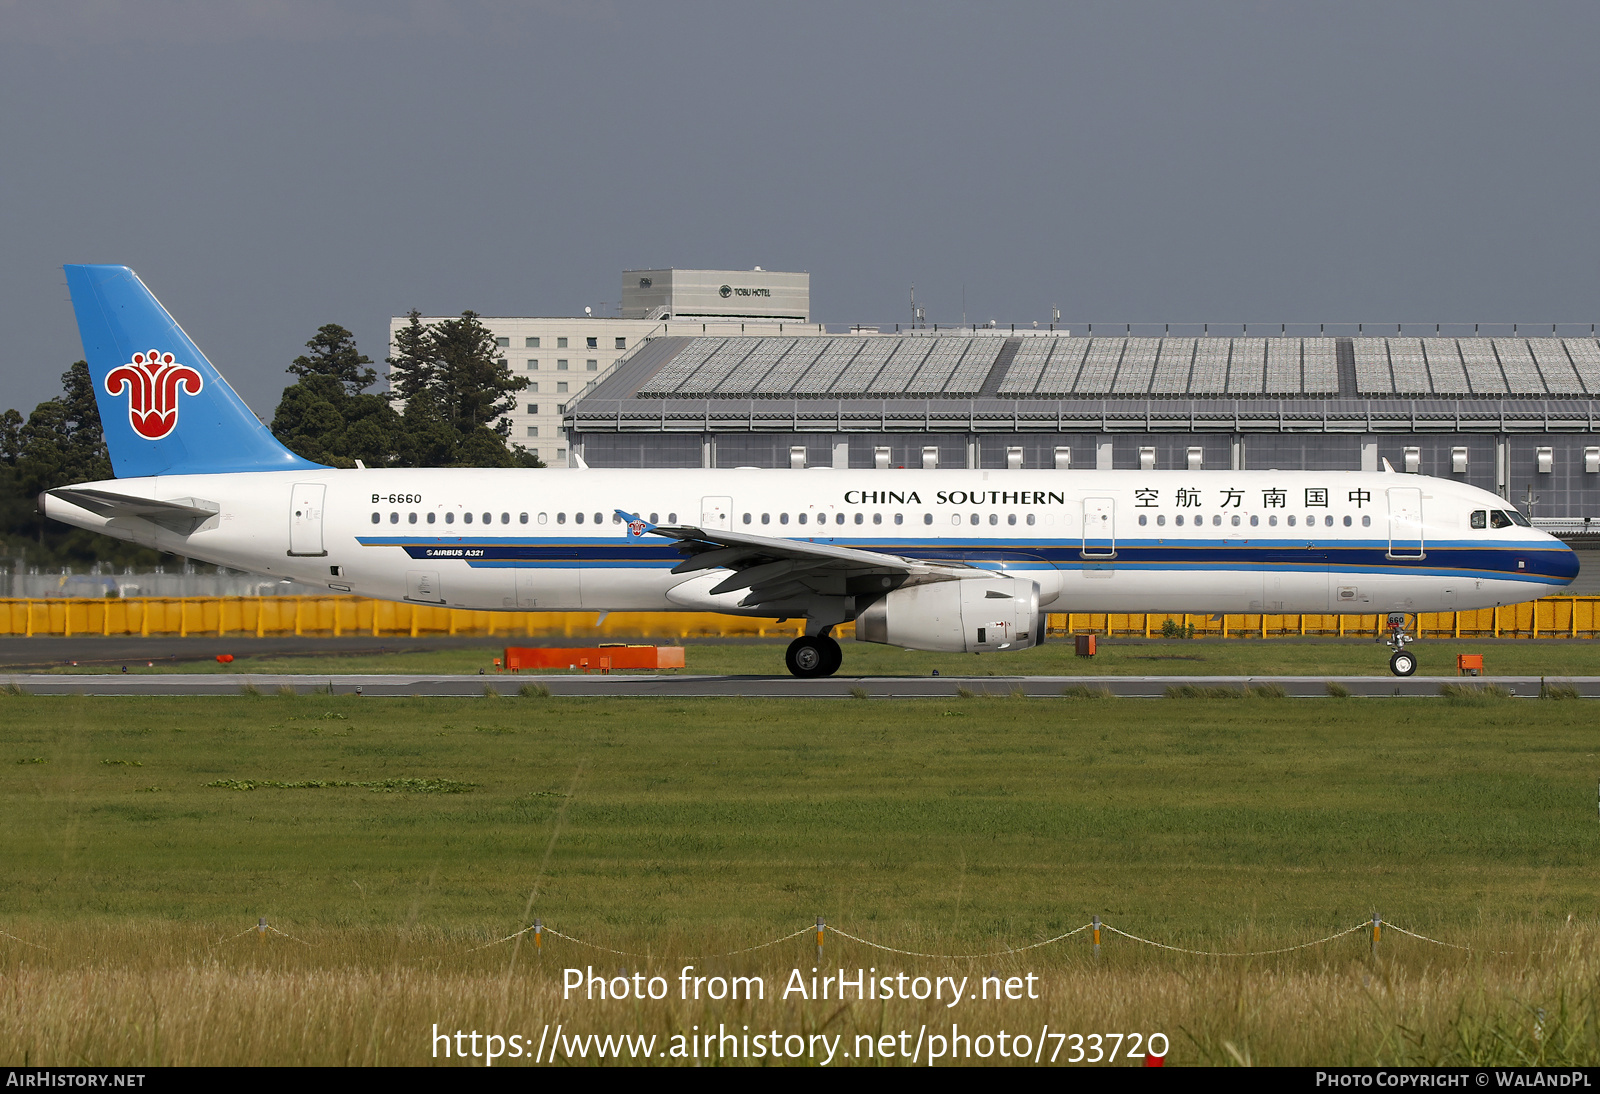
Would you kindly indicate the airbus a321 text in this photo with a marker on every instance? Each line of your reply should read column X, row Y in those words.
column 949, row 560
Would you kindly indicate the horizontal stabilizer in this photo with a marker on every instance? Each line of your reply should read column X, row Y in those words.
column 182, row 517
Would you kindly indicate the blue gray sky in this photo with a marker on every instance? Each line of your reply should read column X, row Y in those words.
column 271, row 166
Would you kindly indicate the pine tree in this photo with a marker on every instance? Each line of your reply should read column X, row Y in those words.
column 327, row 416
column 61, row 442
column 457, row 390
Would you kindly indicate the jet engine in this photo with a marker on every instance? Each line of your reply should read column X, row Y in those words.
column 975, row 615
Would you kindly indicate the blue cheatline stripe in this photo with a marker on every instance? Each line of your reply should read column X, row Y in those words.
column 1466, row 559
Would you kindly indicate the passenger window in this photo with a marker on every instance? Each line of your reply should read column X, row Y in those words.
column 599, row 518
column 522, row 518
column 1291, row 522
column 766, row 518
column 877, row 518
column 376, row 518
column 1328, row 520
column 1366, row 522
column 411, row 518
column 654, row 519
column 861, row 518
column 1347, row 522
column 561, row 518
column 1216, row 520
column 955, row 518
column 394, row 518
column 1141, row 520
column 430, row 517
column 544, row 518
column 1236, row 520
column 801, row 518
column 1480, row 519
column 747, row 518
column 1272, row 521
column 449, row 518
column 994, row 518
column 578, row 518
column 467, row 517
column 899, row 518
column 1497, row 519
column 1255, row 521
column 1011, row 518
column 783, row 518
column 1030, row 518
column 672, row 518
column 1161, row 519
column 974, row 519
column 505, row 518
column 839, row 518
column 1178, row 520
column 927, row 518
column 488, row 518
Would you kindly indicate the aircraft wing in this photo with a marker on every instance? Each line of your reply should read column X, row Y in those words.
column 182, row 517
column 775, row 569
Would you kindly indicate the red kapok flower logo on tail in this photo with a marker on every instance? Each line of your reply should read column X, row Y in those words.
column 152, row 381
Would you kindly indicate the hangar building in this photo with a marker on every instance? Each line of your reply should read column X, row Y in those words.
column 1513, row 414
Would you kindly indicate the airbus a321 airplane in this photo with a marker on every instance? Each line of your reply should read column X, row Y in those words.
column 947, row 560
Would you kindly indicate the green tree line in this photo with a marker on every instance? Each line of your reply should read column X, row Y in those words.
column 446, row 408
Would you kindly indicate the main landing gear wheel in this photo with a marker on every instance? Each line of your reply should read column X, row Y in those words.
column 809, row 657
column 1402, row 663
column 830, row 646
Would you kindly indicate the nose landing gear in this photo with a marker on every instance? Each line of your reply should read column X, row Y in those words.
column 810, row 656
column 1401, row 662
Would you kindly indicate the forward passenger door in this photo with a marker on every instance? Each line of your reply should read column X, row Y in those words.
column 1405, row 522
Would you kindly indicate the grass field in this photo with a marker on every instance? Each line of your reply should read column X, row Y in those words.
column 1205, row 657
column 690, row 827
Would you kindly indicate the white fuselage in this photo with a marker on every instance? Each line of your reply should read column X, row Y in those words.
column 1168, row 541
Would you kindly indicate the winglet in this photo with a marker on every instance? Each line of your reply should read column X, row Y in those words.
column 577, row 462
column 637, row 525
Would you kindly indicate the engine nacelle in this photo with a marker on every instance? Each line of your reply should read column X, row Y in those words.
column 976, row 615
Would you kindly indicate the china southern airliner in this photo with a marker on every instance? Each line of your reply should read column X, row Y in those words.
column 948, row 560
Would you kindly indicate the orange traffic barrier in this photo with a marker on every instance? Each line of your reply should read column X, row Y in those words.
column 605, row 658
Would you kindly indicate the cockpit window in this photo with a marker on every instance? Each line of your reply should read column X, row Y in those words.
column 1480, row 519
column 1518, row 519
column 1499, row 519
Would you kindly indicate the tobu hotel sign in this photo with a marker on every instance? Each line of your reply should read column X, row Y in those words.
column 717, row 294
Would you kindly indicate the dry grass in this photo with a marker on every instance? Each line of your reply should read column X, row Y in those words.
column 165, row 994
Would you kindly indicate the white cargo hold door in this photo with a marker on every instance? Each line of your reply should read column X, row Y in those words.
column 1099, row 535
column 716, row 513
column 423, row 586
column 305, row 521
column 1405, row 522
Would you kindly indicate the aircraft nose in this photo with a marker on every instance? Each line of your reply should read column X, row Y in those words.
column 1564, row 565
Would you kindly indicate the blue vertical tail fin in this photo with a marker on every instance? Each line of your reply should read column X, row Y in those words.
column 164, row 408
